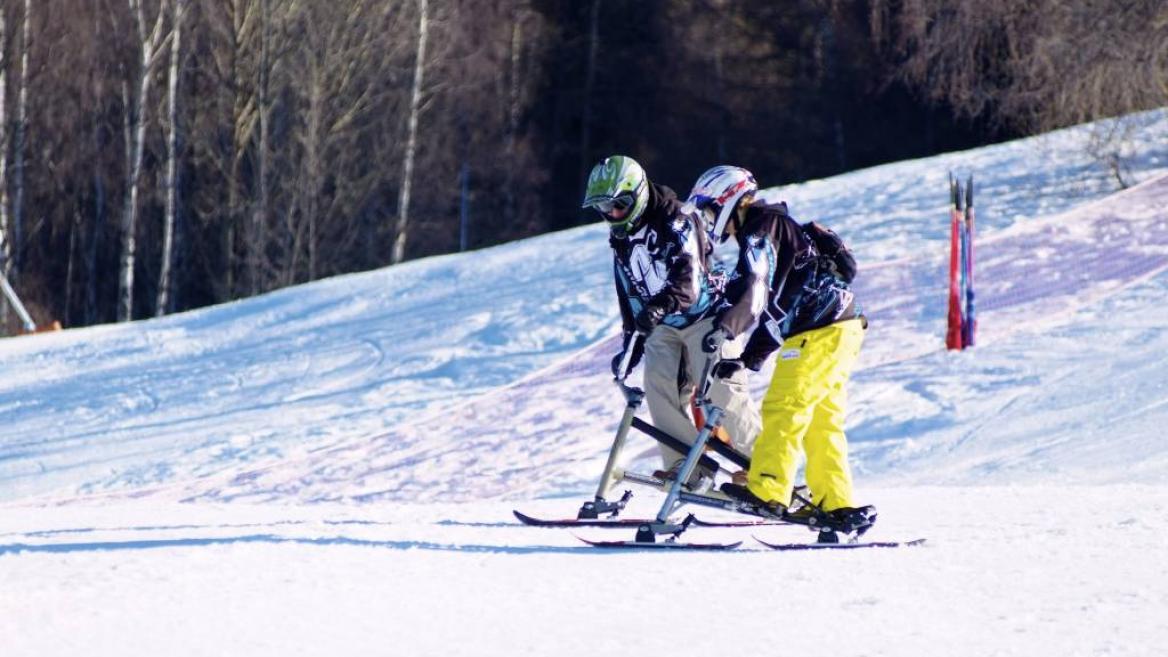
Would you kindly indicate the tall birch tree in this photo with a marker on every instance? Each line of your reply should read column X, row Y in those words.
column 343, row 78
column 403, row 205
column 4, row 217
column 151, row 41
column 17, row 237
column 168, row 222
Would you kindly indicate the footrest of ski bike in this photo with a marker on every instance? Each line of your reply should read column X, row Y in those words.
column 649, row 531
column 595, row 508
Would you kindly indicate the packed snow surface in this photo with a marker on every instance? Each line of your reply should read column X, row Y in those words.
column 331, row 468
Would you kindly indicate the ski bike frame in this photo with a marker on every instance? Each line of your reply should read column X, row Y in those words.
column 647, row 533
column 678, row 495
column 633, row 399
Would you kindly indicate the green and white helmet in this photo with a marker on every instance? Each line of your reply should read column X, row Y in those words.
column 618, row 184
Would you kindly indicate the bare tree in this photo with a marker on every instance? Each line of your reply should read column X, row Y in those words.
column 311, row 135
column 5, row 254
column 1036, row 65
column 173, row 74
column 256, row 233
column 244, row 117
column 151, row 41
column 18, row 146
column 1092, row 61
column 403, row 206
column 229, row 32
column 260, row 45
column 513, row 108
column 344, row 79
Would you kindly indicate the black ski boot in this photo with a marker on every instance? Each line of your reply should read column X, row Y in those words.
column 849, row 521
column 852, row 519
column 753, row 504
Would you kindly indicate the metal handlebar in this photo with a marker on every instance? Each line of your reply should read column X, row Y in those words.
column 623, row 370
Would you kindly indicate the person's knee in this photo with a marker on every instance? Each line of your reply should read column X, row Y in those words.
column 789, row 403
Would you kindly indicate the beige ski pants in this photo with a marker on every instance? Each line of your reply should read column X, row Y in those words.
column 674, row 364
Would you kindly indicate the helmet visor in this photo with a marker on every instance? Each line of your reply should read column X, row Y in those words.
column 606, row 205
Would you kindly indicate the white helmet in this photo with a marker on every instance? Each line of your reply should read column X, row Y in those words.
column 716, row 194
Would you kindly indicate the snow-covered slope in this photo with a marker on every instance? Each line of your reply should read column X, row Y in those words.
column 385, row 423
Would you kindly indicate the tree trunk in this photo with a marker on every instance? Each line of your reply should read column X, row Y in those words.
column 91, row 310
column 5, row 244
column 259, row 220
column 18, row 148
column 589, row 83
column 509, row 201
column 74, row 229
column 235, row 235
column 312, row 166
column 148, row 56
column 403, row 205
column 464, row 201
column 130, row 209
column 164, row 276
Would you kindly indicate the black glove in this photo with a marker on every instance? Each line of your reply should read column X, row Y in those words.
column 713, row 340
column 727, row 368
column 649, row 317
column 638, row 351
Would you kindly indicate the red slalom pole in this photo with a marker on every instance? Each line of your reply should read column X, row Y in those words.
column 953, row 335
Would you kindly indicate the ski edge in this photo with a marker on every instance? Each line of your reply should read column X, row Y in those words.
column 841, row 546
column 532, row 521
column 661, row 545
column 698, row 522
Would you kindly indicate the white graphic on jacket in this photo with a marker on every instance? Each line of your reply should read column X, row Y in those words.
column 760, row 256
column 649, row 274
column 643, row 270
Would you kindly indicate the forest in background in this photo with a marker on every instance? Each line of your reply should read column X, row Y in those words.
column 162, row 155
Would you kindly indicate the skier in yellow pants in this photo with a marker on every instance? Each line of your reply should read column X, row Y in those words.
column 793, row 284
column 803, row 411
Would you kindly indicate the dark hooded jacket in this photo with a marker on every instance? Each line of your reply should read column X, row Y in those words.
column 786, row 279
column 663, row 262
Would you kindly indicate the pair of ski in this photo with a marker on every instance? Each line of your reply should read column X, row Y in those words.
column 618, row 523
column 674, row 544
column 693, row 521
column 646, row 533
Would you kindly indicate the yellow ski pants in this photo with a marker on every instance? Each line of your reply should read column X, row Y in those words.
column 803, row 411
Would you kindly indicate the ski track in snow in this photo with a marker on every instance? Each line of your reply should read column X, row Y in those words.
column 567, row 444
column 350, row 365
column 330, row 469
column 997, row 576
